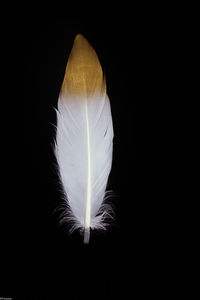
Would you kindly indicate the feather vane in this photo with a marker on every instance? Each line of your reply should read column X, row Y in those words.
column 84, row 139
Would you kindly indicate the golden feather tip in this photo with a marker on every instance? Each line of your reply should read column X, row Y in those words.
column 83, row 74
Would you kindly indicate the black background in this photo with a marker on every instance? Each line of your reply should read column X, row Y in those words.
column 140, row 256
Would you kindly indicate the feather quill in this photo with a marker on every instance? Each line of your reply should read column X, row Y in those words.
column 84, row 139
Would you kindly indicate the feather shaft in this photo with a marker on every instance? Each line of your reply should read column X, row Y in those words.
column 88, row 203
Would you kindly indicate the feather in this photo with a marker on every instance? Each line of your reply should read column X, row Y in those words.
column 84, row 140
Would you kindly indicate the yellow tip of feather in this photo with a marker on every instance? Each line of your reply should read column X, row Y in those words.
column 83, row 75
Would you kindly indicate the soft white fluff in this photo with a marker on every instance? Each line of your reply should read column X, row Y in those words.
column 84, row 145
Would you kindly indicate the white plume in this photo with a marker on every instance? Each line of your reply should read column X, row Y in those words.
column 84, row 139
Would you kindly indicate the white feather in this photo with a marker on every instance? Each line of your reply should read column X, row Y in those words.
column 84, row 146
